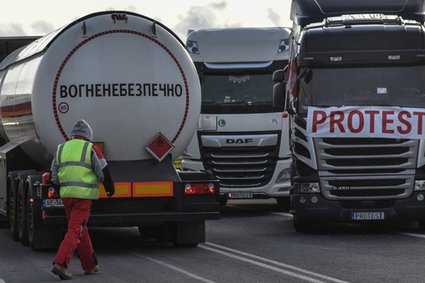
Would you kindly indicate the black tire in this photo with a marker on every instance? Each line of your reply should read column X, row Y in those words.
column 12, row 209
column 223, row 200
column 187, row 234
column 22, row 211
column 185, row 245
column 283, row 203
column 147, row 232
column 300, row 225
column 421, row 224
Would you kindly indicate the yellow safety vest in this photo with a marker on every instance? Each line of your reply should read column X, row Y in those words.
column 76, row 176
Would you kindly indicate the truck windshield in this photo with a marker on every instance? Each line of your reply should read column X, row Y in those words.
column 402, row 86
column 242, row 93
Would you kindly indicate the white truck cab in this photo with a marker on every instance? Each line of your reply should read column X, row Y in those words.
column 241, row 138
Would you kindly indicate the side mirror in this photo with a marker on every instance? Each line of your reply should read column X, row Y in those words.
column 290, row 111
column 279, row 90
column 279, row 75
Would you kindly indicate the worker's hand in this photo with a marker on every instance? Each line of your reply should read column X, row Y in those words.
column 110, row 192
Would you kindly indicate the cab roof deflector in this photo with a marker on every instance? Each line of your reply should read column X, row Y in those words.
column 305, row 12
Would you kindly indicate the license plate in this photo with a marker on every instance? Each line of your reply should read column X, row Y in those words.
column 367, row 215
column 240, row 195
column 48, row 203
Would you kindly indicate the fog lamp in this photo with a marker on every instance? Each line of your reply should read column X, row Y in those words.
column 420, row 185
column 284, row 176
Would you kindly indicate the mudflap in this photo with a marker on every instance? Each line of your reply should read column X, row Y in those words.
column 46, row 238
column 40, row 236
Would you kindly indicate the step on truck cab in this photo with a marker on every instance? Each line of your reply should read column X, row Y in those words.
column 241, row 138
column 133, row 81
column 356, row 89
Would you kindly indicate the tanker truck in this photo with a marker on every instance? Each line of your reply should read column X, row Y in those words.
column 132, row 80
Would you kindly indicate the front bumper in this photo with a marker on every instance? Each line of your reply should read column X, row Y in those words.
column 272, row 189
column 315, row 208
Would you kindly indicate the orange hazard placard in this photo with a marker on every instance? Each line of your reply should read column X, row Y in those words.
column 159, row 147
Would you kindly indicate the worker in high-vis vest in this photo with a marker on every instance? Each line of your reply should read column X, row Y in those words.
column 77, row 168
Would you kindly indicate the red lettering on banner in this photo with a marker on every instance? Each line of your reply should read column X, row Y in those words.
column 350, row 121
column 337, row 122
column 420, row 121
column 386, row 121
column 317, row 120
column 372, row 114
column 404, row 122
column 366, row 122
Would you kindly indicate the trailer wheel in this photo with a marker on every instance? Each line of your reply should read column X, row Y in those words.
column 223, row 200
column 421, row 224
column 283, row 203
column 187, row 234
column 12, row 209
column 22, row 212
column 181, row 234
column 185, row 245
column 301, row 225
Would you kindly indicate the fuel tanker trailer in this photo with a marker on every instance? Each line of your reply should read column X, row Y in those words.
column 132, row 80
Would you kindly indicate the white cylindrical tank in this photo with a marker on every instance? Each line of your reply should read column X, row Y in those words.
column 128, row 76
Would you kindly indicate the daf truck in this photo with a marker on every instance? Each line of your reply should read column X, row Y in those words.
column 132, row 80
column 241, row 138
column 8, row 44
column 356, row 91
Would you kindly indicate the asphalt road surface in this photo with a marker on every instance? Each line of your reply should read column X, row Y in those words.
column 252, row 242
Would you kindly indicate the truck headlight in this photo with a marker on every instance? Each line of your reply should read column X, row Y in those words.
column 307, row 188
column 420, row 185
column 192, row 46
column 284, row 175
column 283, row 46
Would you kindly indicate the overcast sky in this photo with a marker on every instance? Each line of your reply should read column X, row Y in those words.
column 38, row 17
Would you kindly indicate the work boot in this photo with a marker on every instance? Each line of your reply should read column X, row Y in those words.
column 61, row 271
column 92, row 270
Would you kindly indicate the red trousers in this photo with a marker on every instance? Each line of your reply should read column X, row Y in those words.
column 77, row 237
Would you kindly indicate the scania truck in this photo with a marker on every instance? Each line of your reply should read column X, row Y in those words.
column 356, row 91
column 241, row 138
column 132, row 80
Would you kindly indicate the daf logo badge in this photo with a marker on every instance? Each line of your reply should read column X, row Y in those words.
column 221, row 122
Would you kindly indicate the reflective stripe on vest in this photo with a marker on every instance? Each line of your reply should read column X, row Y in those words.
column 76, row 176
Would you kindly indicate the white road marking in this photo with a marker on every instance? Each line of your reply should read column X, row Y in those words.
column 422, row 236
column 265, row 262
column 286, row 214
column 178, row 269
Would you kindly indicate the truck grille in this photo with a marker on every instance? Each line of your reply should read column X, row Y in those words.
column 241, row 166
column 366, row 168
